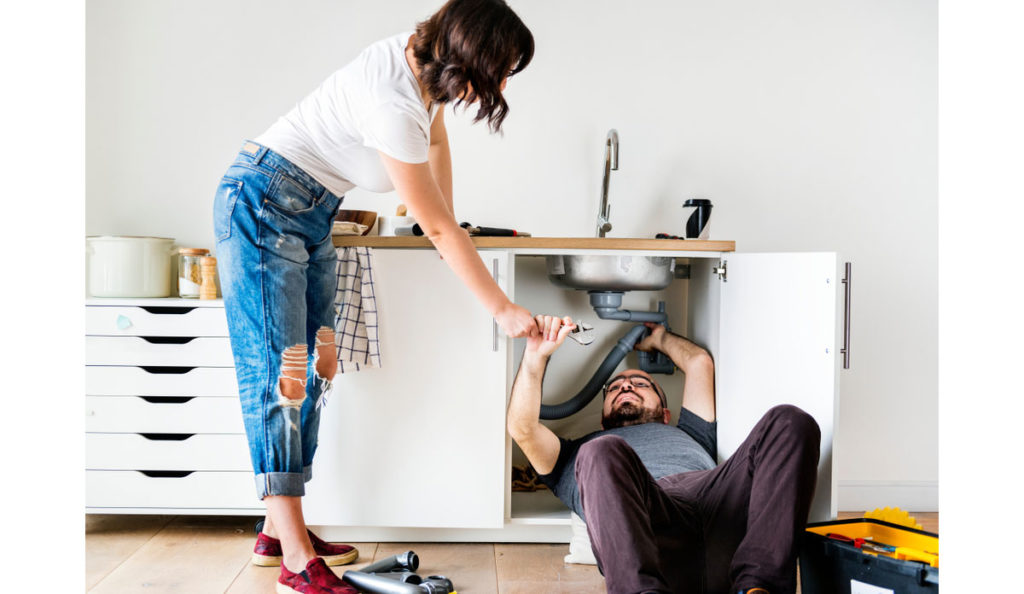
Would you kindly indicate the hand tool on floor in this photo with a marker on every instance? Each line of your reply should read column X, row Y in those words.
column 407, row 560
column 394, row 575
column 377, row 584
column 583, row 333
column 401, row 575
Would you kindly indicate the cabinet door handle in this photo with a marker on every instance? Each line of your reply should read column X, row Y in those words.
column 167, row 436
column 166, row 473
column 494, row 322
column 166, row 310
column 163, row 369
column 168, row 339
column 167, row 399
column 847, row 281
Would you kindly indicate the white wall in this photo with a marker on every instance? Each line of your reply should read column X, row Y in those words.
column 811, row 126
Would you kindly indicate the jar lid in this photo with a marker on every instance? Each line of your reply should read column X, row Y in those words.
column 193, row 251
column 207, row 261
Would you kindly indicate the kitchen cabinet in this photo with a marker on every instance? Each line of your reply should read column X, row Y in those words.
column 417, row 449
column 769, row 320
column 163, row 424
column 421, row 441
column 774, row 341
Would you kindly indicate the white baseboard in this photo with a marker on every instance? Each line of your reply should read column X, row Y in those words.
column 920, row 496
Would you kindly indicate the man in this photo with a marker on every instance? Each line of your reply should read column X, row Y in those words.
column 661, row 516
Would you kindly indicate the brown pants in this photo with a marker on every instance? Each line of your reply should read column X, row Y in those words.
column 733, row 527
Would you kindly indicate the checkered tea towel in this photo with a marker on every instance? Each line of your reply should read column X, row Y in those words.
column 355, row 306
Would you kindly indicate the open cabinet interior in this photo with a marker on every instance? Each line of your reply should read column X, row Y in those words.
column 572, row 365
column 769, row 324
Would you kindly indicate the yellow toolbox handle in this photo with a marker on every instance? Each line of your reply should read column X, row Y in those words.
column 908, row 554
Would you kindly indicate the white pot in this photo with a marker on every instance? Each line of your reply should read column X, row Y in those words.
column 129, row 266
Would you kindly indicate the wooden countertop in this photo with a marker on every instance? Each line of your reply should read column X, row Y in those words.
column 566, row 243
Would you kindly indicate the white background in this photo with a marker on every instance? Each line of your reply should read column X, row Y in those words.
column 43, row 157
column 812, row 126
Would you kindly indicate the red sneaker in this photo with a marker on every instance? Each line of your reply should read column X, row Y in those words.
column 317, row 578
column 267, row 552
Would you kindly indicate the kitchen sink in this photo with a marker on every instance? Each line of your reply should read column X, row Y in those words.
column 611, row 273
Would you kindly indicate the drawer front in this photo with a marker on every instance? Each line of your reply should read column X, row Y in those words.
column 129, row 488
column 163, row 451
column 160, row 381
column 157, row 414
column 134, row 350
column 155, row 321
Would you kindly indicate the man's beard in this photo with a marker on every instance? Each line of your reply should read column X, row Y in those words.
column 631, row 414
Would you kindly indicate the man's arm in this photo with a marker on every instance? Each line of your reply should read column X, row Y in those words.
column 696, row 364
column 539, row 443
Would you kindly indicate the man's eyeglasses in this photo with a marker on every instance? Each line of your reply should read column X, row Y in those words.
column 638, row 382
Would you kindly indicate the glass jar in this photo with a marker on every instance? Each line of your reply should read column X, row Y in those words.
column 189, row 271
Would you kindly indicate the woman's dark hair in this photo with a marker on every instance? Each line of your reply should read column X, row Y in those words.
column 472, row 41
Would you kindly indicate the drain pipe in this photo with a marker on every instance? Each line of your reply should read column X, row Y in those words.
column 607, row 304
column 597, row 381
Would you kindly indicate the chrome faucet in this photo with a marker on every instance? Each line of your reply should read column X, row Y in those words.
column 611, row 163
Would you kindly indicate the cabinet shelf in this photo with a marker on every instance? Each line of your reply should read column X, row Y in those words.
column 538, row 508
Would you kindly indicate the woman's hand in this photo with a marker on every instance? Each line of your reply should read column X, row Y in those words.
column 551, row 333
column 516, row 321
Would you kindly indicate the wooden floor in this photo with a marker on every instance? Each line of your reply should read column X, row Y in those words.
column 199, row 554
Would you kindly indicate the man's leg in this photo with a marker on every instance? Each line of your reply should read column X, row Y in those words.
column 633, row 525
column 754, row 505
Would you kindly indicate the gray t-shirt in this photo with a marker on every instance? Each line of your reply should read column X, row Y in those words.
column 664, row 450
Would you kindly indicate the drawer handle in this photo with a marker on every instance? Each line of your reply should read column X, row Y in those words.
column 166, row 473
column 162, row 369
column 163, row 309
column 168, row 339
column 167, row 399
column 167, row 436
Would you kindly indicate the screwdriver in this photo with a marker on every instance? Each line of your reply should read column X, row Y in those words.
column 860, row 543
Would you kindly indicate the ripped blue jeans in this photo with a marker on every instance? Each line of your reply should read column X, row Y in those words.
column 276, row 263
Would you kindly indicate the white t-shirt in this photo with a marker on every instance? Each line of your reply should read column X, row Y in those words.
column 371, row 104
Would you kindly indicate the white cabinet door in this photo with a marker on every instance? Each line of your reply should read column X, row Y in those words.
column 777, row 345
column 419, row 442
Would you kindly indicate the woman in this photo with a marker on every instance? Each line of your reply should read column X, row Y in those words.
column 377, row 124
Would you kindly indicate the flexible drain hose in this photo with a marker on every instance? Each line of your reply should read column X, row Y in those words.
column 596, row 383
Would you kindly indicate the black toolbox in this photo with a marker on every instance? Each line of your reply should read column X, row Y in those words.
column 853, row 557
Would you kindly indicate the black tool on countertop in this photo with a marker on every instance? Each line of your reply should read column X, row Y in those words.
column 492, row 231
column 667, row 236
column 416, row 230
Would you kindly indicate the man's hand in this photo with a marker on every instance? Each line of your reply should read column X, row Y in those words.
column 539, row 443
column 551, row 333
column 653, row 341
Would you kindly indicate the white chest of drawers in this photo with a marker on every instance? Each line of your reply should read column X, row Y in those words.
column 163, row 424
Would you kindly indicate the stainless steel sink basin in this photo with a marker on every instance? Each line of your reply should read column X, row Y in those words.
column 611, row 273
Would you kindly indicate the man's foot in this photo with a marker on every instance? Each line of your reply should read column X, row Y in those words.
column 317, row 578
column 267, row 552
